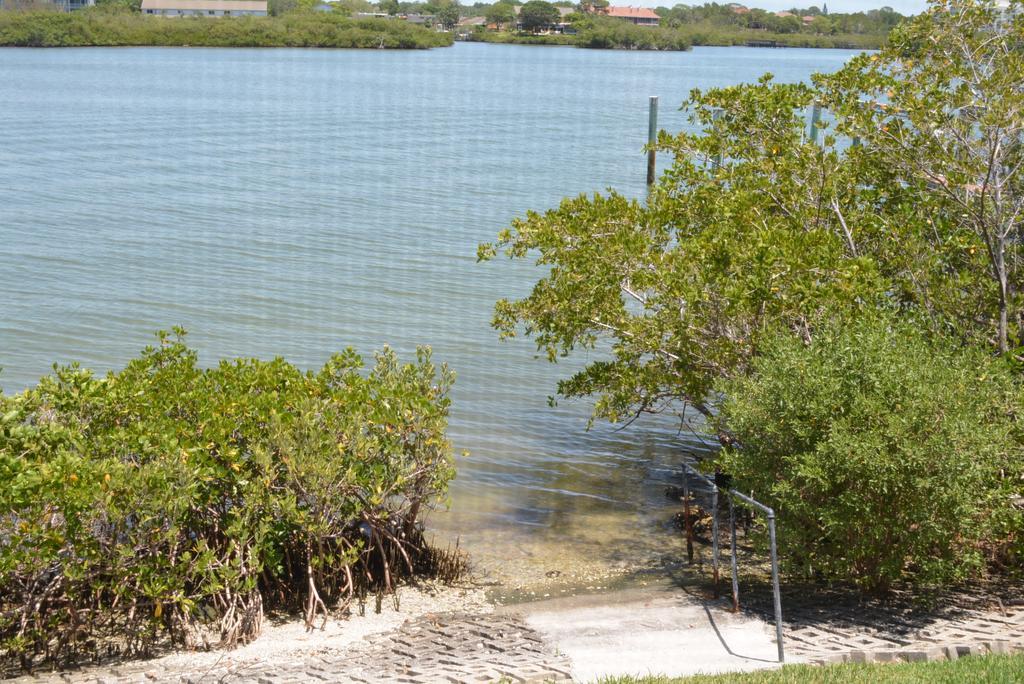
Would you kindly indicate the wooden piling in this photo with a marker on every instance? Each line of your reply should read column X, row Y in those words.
column 652, row 138
column 815, row 120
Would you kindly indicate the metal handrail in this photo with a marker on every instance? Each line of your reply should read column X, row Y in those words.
column 753, row 503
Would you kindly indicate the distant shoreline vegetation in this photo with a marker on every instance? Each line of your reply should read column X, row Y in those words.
column 104, row 28
column 597, row 24
column 681, row 39
column 615, row 34
column 596, row 33
column 394, row 24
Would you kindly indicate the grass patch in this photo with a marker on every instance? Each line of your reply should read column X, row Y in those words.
column 994, row 668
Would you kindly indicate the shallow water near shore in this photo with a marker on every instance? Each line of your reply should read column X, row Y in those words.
column 294, row 202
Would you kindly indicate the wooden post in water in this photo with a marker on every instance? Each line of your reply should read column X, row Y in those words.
column 717, row 161
column 652, row 137
column 815, row 119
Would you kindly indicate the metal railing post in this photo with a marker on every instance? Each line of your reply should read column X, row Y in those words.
column 688, row 519
column 775, row 584
column 714, row 535
column 735, row 572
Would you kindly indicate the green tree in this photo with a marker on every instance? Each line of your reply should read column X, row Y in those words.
column 501, row 13
column 131, row 5
column 448, row 15
column 278, row 8
column 943, row 104
column 755, row 226
column 538, row 14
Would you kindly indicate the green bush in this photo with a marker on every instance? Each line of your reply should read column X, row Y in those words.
column 171, row 503
column 608, row 33
column 507, row 38
column 887, row 457
column 108, row 27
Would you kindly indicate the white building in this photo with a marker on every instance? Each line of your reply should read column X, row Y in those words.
column 208, row 8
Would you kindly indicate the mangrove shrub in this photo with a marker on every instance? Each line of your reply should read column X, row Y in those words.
column 171, row 503
column 103, row 27
column 886, row 456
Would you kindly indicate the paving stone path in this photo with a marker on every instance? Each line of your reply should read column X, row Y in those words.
column 461, row 648
column 468, row 647
column 451, row 647
column 821, row 630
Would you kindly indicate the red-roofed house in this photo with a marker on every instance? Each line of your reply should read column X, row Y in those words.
column 641, row 16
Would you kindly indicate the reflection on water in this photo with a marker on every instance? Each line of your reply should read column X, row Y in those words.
column 573, row 508
column 294, row 202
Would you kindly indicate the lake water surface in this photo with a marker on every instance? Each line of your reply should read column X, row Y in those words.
column 294, row 202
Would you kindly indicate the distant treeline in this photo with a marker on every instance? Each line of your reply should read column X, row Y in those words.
column 714, row 24
column 872, row 22
column 677, row 39
column 709, row 34
column 107, row 28
column 680, row 27
column 598, row 33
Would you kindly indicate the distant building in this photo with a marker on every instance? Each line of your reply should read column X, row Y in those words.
column 72, row 5
column 63, row 5
column 420, row 19
column 641, row 16
column 207, row 8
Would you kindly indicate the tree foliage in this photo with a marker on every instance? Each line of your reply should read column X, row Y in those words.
column 885, row 455
column 944, row 105
column 714, row 16
column 501, row 14
column 754, row 225
column 608, row 33
column 448, row 15
column 905, row 205
column 166, row 502
column 537, row 14
column 293, row 29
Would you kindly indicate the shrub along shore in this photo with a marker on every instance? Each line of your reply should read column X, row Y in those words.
column 170, row 504
column 625, row 36
column 116, row 29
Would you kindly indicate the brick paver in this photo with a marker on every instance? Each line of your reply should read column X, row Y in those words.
column 836, row 627
column 473, row 648
column 452, row 647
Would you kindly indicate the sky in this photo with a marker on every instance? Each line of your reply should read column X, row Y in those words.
column 901, row 6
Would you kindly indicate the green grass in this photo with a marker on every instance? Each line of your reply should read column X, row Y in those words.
column 965, row 671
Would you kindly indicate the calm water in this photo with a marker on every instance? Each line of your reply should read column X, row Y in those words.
column 294, row 202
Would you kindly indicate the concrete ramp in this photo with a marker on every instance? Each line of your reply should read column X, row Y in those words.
column 645, row 631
